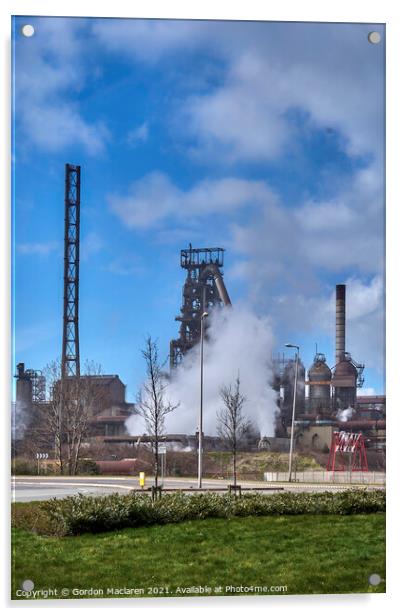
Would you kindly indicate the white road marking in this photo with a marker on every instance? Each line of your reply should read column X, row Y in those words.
column 72, row 484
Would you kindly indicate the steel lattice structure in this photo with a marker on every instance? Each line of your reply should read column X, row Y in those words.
column 70, row 362
column 203, row 289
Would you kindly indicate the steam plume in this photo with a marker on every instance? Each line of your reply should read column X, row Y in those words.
column 237, row 342
column 346, row 414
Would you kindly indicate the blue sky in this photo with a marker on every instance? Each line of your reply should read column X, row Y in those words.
column 264, row 138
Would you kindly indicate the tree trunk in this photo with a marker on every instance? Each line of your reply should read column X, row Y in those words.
column 58, row 452
column 156, row 460
column 234, row 466
column 76, row 455
column 68, row 456
column 55, row 428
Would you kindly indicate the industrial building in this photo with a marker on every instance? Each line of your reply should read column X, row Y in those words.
column 326, row 398
column 108, row 410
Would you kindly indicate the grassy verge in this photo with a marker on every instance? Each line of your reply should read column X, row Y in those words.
column 306, row 553
column 250, row 465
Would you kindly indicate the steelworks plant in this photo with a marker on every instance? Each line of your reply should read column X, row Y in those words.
column 326, row 399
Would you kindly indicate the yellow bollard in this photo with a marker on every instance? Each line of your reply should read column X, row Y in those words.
column 142, row 479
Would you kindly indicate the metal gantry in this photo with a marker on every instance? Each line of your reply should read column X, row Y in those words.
column 70, row 363
column 203, row 289
column 38, row 385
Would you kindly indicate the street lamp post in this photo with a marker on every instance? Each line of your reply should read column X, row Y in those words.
column 203, row 316
column 293, row 346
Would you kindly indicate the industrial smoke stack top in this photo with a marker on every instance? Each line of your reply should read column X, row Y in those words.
column 340, row 323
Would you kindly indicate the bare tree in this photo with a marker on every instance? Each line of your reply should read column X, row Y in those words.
column 48, row 427
column 151, row 400
column 80, row 408
column 232, row 425
column 63, row 419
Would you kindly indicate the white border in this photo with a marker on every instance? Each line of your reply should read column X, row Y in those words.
column 287, row 10
column 386, row 11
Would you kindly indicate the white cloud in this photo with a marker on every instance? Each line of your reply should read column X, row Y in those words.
column 277, row 247
column 247, row 114
column 318, row 217
column 364, row 317
column 243, row 124
column 295, row 243
column 35, row 335
column 125, row 266
column 364, row 299
column 328, row 71
column 54, row 127
column 139, row 134
column 147, row 40
column 154, row 199
column 284, row 254
column 91, row 244
column 366, row 391
column 50, row 72
column 38, row 248
column 365, row 322
column 148, row 201
column 324, row 70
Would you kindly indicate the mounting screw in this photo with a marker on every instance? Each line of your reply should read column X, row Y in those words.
column 374, row 37
column 28, row 30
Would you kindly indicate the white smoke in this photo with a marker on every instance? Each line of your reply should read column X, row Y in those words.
column 20, row 419
column 237, row 343
column 178, row 447
column 346, row 414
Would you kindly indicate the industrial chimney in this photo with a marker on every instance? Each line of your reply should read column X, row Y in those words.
column 347, row 374
column 340, row 323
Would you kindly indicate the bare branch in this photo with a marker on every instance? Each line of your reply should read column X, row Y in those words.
column 232, row 424
column 64, row 419
column 151, row 399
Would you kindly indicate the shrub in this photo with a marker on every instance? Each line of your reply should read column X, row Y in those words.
column 21, row 466
column 87, row 467
column 24, row 466
column 80, row 514
column 33, row 518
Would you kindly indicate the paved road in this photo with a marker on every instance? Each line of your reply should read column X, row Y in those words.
column 29, row 488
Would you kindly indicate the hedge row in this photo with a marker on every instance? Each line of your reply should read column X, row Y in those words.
column 23, row 466
column 82, row 514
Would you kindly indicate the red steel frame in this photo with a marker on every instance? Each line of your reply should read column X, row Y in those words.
column 346, row 442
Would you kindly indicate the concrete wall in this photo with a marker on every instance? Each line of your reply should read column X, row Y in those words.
column 329, row 477
column 314, row 437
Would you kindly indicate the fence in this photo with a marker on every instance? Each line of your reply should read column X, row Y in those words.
column 372, row 477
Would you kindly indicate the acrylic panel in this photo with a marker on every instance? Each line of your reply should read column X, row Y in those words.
column 198, row 308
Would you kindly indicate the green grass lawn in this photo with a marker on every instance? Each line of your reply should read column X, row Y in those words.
column 305, row 553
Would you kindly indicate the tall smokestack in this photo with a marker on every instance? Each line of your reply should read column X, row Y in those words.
column 340, row 323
